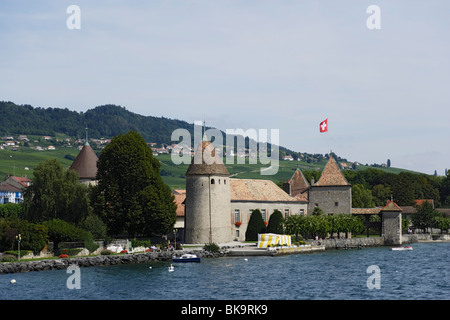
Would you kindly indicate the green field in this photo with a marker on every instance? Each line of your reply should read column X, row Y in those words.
column 16, row 162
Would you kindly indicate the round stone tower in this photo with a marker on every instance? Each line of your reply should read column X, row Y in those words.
column 208, row 208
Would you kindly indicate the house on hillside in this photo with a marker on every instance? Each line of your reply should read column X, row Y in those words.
column 11, row 189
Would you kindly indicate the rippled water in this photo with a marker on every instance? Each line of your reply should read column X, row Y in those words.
column 337, row 274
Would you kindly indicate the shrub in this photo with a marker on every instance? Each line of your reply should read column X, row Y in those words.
column 255, row 225
column 106, row 252
column 275, row 223
column 34, row 236
column 211, row 247
column 8, row 258
column 62, row 231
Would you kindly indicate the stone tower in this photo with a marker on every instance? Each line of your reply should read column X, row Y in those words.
column 331, row 193
column 391, row 223
column 208, row 209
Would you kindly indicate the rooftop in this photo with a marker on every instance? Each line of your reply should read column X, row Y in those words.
column 258, row 190
column 332, row 175
column 86, row 163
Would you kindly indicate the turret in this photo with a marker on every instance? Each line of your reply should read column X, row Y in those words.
column 208, row 209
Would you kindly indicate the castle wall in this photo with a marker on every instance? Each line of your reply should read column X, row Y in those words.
column 331, row 199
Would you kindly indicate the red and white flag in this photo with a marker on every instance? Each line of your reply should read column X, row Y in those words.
column 324, row 125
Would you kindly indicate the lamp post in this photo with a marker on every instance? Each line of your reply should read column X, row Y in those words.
column 18, row 238
column 175, row 237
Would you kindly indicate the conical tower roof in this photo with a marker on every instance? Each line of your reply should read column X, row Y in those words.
column 298, row 182
column 206, row 162
column 332, row 175
column 391, row 206
column 86, row 163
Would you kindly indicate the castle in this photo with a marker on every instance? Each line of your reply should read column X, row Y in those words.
column 218, row 208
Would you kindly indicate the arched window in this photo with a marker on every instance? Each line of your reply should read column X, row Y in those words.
column 212, row 181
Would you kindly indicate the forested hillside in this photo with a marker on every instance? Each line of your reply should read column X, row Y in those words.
column 103, row 121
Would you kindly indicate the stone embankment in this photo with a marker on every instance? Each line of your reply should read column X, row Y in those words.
column 100, row 260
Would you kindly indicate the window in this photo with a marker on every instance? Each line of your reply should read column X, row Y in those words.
column 224, row 181
column 237, row 234
column 286, row 213
column 263, row 213
column 237, row 215
column 336, row 204
column 302, row 212
column 212, row 181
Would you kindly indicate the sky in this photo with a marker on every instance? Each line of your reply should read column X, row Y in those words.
column 247, row 64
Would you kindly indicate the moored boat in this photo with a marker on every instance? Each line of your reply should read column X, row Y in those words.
column 401, row 248
column 187, row 258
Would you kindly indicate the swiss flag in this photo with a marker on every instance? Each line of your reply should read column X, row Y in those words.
column 324, row 126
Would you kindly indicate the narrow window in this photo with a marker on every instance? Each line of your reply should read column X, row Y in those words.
column 212, row 181
column 237, row 216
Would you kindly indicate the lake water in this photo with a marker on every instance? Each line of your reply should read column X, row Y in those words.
column 336, row 274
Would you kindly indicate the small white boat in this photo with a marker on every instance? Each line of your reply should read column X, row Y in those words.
column 171, row 268
column 401, row 248
column 186, row 258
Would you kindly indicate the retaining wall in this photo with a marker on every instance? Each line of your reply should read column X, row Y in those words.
column 100, row 260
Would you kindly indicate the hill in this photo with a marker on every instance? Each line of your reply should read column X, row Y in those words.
column 65, row 128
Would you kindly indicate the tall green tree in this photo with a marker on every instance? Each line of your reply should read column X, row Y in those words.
column 55, row 194
column 255, row 225
column 275, row 223
column 131, row 197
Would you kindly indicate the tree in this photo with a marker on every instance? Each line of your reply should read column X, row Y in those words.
column 255, row 225
column 380, row 194
column 424, row 216
column 275, row 223
column 130, row 196
column 361, row 197
column 55, row 194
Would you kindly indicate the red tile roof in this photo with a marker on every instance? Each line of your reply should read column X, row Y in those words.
column 332, row 175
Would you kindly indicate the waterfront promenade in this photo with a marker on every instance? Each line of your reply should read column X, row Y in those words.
column 231, row 249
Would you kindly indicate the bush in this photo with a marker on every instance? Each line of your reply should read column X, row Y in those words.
column 10, row 210
column 94, row 225
column 8, row 258
column 106, row 252
column 211, row 247
column 62, row 231
column 275, row 223
column 34, row 236
column 255, row 225
column 141, row 243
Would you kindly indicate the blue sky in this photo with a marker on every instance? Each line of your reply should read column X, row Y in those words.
column 260, row 64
